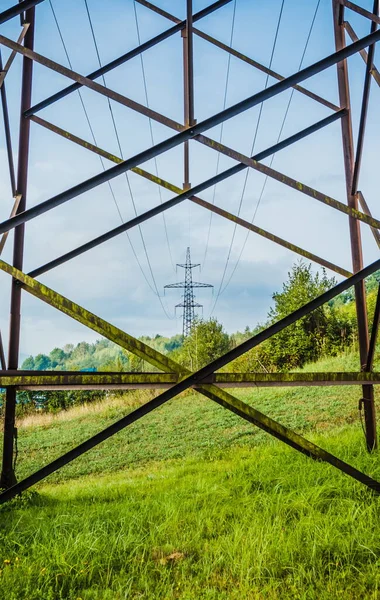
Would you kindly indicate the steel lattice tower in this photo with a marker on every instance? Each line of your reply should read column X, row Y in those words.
column 169, row 376
column 188, row 285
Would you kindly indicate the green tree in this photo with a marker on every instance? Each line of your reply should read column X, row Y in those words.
column 206, row 342
column 324, row 331
column 28, row 364
column 57, row 357
column 42, row 362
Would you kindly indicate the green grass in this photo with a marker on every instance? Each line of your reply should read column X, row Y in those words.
column 188, row 426
column 192, row 502
column 246, row 523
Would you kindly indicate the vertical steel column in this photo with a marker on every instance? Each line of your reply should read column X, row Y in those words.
column 2, row 355
column 355, row 234
column 188, row 84
column 7, row 131
column 8, row 477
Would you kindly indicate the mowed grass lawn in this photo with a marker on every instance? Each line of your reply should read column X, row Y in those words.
column 192, row 502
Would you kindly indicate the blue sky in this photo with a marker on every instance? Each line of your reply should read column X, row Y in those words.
column 107, row 280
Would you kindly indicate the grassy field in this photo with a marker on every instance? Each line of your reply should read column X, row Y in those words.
column 251, row 523
column 191, row 502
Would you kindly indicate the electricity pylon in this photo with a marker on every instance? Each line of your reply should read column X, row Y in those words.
column 188, row 285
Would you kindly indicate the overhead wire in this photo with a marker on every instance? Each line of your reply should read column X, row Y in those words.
column 251, row 153
column 278, row 139
column 96, row 144
column 151, row 129
column 126, row 174
column 222, row 127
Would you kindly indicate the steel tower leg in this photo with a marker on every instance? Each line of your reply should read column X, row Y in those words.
column 355, row 234
column 8, row 477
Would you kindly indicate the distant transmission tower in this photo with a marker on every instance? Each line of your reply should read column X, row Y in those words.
column 188, row 303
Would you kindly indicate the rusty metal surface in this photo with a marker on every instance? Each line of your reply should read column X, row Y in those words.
column 366, row 210
column 53, row 380
column 363, row 53
column 14, row 210
column 7, row 474
column 354, row 226
column 3, row 362
column 17, row 9
column 358, row 9
column 364, row 108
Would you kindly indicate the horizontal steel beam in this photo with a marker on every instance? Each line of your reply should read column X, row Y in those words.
column 239, row 55
column 361, row 11
column 54, row 380
column 363, row 53
column 17, row 9
column 125, row 57
column 195, row 199
column 183, row 136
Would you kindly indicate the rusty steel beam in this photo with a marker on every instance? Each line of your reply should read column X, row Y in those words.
column 8, row 139
column 364, row 107
column 14, row 210
column 354, row 225
column 239, row 55
column 188, row 87
column 92, row 85
column 4, row 70
column 54, row 380
column 366, row 210
column 88, row 319
column 3, row 362
column 374, row 334
column 174, row 201
column 363, row 53
column 7, row 132
column 8, row 476
column 217, row 395
column 364, row 216
column 17, row 9
column 358, row 9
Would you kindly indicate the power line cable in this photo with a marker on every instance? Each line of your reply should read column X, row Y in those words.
column 151, row 130
column 122, row 156
column 222, row 127
column 96, row 144
column 251, row 153
column 273, row 156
